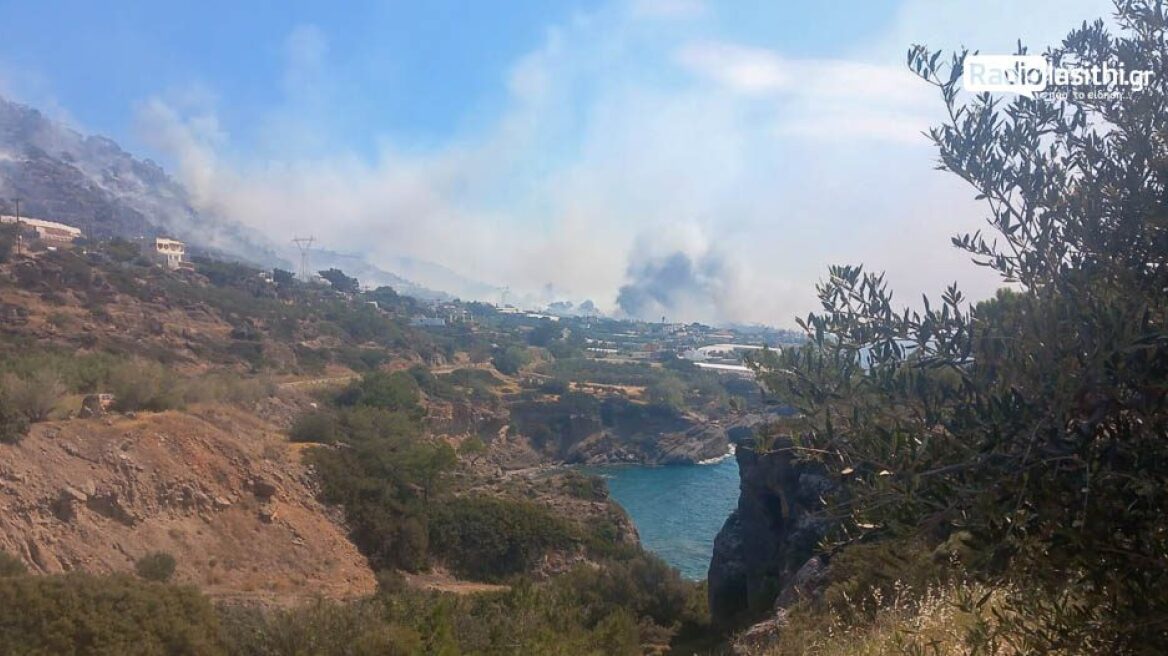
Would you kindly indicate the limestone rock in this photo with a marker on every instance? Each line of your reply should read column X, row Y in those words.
column 763, row 549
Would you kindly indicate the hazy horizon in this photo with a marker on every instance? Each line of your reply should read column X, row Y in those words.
column 659, row 157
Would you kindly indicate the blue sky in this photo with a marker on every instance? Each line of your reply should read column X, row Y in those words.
column 560, row 148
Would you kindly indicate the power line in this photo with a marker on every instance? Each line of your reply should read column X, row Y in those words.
column 305, row 245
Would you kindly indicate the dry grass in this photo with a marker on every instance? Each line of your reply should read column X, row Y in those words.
column 944, row 620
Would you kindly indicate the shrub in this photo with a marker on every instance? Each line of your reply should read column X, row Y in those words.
column 323, row 628
column 510, row 360
column 145, row 385
column 644, row 585
column 11, row 565
column 584, row 486
column 85, row 614
column 155, row 566
column 34, row 396
column 228, row 387
column 13, row 423
column 554, row 386
column 491, row 538
column 317, row 427
column 397, row 391
column 472, row 448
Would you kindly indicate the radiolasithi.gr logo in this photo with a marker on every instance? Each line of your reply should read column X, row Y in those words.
column 1032, row 74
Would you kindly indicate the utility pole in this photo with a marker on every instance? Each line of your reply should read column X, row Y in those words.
column 304, row 244
column 19, row 231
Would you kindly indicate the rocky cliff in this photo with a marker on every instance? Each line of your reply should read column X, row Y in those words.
column 766, row 545
column 616, row 431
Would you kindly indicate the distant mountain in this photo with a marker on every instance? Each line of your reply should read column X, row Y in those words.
column 89, row 182
column 355, row 264
column 448, row 280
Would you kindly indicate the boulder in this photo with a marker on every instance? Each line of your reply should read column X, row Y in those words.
column 263, row 489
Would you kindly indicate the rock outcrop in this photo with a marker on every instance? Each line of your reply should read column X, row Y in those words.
column 700, row 441
column 616, row 431
column 770, row 537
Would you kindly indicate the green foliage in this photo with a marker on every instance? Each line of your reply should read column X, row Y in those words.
column 321, row 628
column 383, row 477
column 11, row 565
column 555, row 386
column 145, row 385
column 510, row 360
column 586, row 612
column 282, row 277
column 583, row 486
column 584, row 615
column 1035, row 422
column 396, row 391
column 34, row 396
column 340, row 281
column 155, row 566
column 108, row 615
column 678, row 386
column 669, row 392
column 472, row 448
column 545, row 333
column 644, row 586
column 489, row 538
column 317, row 427
column 13, row 422
column 228, row 274
column 79, row 372
column 121, row 250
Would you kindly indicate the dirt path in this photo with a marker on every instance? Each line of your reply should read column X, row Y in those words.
column 318, row 382
column 445, row 582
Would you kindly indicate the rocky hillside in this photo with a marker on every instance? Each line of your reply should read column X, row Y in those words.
column 91, row 183
column 218, row 488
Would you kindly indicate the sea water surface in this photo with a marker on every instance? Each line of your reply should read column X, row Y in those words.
column 677, row 509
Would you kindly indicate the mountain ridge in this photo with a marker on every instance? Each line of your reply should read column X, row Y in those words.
column 92, row 183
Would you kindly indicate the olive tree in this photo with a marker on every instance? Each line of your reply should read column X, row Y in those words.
column 1035, row 424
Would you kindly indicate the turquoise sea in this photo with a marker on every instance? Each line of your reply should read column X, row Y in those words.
column 677, row 509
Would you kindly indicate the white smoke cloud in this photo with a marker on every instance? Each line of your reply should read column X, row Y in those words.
column 626, row 153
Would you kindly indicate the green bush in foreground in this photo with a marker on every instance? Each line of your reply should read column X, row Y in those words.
column 104, row 615
column 11, row 565
column 1034, row 423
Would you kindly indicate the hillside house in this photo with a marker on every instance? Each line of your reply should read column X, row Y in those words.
column 49, row 231
column 169, row 252
column 428, row 322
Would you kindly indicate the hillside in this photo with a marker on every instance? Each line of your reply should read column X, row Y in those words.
column 91, row 183
column 283, row 441
column 217, row 487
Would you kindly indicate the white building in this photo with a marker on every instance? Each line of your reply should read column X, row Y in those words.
column 726, row 352
column 169, row 252
column 47, row 230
